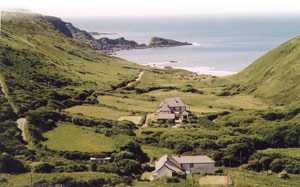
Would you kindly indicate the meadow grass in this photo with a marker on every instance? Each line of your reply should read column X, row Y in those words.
column 252, row 178
column 77, row 138
column 135, row 103
column 97, row 112
column 155, row 151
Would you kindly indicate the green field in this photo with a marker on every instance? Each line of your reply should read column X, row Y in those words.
column 135, row 103
column 76, row 138
column 97, row 112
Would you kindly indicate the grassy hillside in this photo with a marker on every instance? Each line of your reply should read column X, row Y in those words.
column 274, row 76
column 44, row 61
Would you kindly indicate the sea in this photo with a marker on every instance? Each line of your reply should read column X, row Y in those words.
column 222, row 45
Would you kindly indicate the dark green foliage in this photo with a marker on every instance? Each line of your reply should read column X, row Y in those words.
column 135, row 148
column 43, row 118
column 277, row 165
column 92, row 122
column 201, row 122
column 123, row 155
column 275, row 162
column 75, row 155
column 128, row 167
column 10, row 165
column 182, row 148
column 44, row 168
column 224, row 93
column 10, row 138
column 193, row 90
column 286, row 135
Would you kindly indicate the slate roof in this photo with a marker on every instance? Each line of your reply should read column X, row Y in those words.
column 169, row 162
column 165, row 108
column 202, row 159
column 173, row 102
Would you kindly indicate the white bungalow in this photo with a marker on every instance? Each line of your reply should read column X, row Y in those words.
column 168, row 165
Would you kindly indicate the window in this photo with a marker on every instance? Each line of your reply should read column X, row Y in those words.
column 191, row 165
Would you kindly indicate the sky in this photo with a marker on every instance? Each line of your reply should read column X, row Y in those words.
column 101, row 8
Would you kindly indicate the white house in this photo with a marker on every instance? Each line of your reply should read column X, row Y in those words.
column 172, row 109
column 168, row 165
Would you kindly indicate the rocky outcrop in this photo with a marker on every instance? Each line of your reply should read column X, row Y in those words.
column 162, row 42
column 106, row 44
column 119, row 44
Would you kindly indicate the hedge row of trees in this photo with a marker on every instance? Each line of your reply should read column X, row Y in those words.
column 274, row 162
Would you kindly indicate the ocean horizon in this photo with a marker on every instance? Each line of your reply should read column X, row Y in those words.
column 221, row 45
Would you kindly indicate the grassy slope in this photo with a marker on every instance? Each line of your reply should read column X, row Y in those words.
column 275, row 75
column 63, row 138
column 33, row 48
column 97, row 112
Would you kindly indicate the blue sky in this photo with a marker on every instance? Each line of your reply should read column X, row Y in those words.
column 100, row 8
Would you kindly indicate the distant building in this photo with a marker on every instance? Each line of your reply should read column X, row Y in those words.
column 172, row 109
column 100, row 160
column 169, row 165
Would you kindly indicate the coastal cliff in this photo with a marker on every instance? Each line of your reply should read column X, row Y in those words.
column 107, row 44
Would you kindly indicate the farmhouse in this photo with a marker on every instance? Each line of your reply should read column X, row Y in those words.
column 169, row 165
column 172, row 109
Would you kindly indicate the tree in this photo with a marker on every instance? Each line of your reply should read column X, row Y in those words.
column 135, row 148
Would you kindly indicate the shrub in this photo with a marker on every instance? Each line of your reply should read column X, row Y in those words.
column 123, row 155
column 44, row 168
column 182, row 148
column 135, row 148
column 254, row 165
column 277, row 165
column 128, row 167
column 10, row 165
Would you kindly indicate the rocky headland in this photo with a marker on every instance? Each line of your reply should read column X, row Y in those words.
column 106, row 44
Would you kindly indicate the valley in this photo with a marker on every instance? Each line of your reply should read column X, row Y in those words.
column 74, row 97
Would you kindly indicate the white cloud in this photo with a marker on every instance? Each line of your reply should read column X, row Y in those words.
column 86, row 8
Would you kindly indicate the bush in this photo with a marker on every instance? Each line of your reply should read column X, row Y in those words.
column 123, row 155
column 10, row 165
column 254, row 165
column 44, row 168
column 128, row 167
column 277, row 165
column 43, row 118
column 182, row 148
column 135, row 148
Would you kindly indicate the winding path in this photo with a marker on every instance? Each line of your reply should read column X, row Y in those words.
column 137, row 79
column 21, row 125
